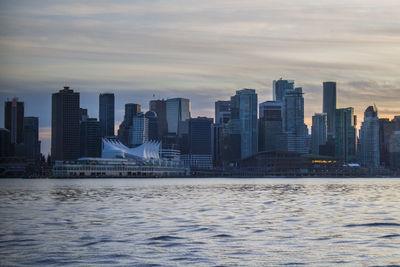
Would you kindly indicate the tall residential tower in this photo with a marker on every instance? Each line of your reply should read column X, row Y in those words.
column 106, row 114
column 329, row 106
column 65, row 130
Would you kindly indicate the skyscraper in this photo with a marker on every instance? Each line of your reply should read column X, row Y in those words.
column 139, row 130
column 329, row 106
column 65, row 130
column 222, row 111
column 270, row 125
column 106, row 114
column 318, row 132
column 5, row 143
column 160, row 108
column 90, row 138
column 387, row 129
column 131, row 110
column 31, row 139
column 153, row 125
column 394, row 149
column 178, row 109
column 244, row 124
column 293, row 127
column 280, row 87
column 345, row 134
column 199, row 152
column 369, row 138
column 14, row 120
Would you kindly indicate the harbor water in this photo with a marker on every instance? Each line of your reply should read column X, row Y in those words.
column 200, row 222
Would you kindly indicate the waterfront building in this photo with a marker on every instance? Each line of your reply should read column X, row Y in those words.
column 270, row 125
column 118, row 160
column 14, row 120
column 90, row 135
column 293, row 127
column 345, row 134
column 178, row 109
column 153, row 134
column 31, row 140
column 65, row 132
column 106, row 114
column 160, row 108
column 329, row 106
column 280, row 87
column 369, row 138
column 318, row 132
column 394, row 150
column 131, row 110
column 222, row 111
column 199, row 152
column 385, row 131
column 243, row 124
column 5, row 143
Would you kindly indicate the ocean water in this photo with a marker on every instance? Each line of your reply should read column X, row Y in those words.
column 200, row 222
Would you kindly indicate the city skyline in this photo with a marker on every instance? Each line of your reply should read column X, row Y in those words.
column 200, row 51
column 45, row 132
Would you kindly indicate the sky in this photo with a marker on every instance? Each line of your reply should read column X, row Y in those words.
column 202, row 50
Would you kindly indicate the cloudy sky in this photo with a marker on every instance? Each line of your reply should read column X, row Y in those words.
column 202, row 50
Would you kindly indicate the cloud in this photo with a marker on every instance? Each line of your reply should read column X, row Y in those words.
column 202, row 50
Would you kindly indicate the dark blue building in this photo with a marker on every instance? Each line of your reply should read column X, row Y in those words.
column 106, row 114
column 90, row 138
column 199, row 151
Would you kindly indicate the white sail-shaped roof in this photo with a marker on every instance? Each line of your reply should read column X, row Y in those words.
column 115, row 149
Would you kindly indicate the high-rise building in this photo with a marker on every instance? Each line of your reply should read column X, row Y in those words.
column 14, row 120
column 131, row 110
column 222, row 111
column 153, row 125
column 220, row 132
column 199, row 154
column 5, row 143
column 83, row 114
column 369, row 138
column 394, row 149
column 106, row 114
column 386, row 130
column 293, row 127
column 90, row 135
column 160, row 108
column 329, row 106
column 318, row 132
column 270, row 125
column 65, row 130
column 139, row 131
column 31, row 139
column 178, row 109
column 243, row 124
column 345, row 134
column 280, row 87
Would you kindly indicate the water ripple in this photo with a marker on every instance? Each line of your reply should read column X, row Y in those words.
column 199, row 222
